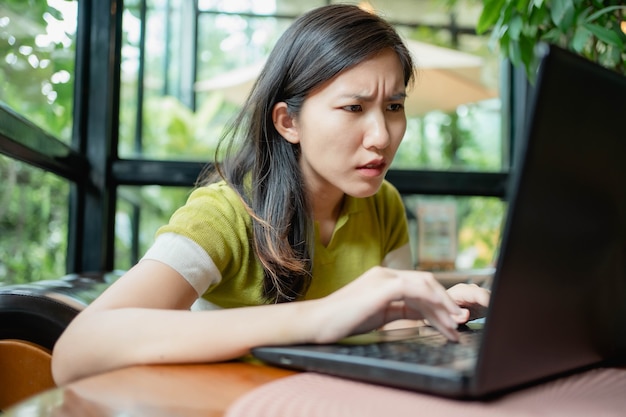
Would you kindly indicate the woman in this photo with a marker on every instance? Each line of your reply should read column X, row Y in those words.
column 296, row 237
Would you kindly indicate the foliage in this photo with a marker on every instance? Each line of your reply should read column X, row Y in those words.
column 37, row 52
column 479, row 228
column 156, row 204
column 33, row 223
column 591, row 28
column 36, row 77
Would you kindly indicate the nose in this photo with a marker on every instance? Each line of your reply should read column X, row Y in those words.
column 377, row 132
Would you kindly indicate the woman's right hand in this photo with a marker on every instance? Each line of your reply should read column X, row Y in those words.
column 382, row 295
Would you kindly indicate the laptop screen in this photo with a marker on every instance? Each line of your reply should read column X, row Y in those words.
column 561, row 281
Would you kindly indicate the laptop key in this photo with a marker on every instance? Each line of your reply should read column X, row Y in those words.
column 430, row 350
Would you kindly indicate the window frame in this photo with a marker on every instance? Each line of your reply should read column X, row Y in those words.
column 95, row 171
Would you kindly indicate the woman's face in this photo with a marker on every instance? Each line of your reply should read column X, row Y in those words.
column 350, row 128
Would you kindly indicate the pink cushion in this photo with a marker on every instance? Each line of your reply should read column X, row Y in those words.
column 598, row 392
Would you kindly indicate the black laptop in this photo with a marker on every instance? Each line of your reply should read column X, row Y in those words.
column 558, row 301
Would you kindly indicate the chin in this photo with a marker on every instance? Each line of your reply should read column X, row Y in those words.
column 365, row 190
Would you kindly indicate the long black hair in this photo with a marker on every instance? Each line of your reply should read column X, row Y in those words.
column 262, row 166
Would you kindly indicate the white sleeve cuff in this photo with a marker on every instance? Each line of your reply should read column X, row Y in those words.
column 400, row 258
column 187, row 258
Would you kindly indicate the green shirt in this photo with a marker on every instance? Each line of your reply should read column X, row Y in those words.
column 208, row 241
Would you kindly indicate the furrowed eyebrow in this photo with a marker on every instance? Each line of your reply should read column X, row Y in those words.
column 398, row 96
column 361, row 97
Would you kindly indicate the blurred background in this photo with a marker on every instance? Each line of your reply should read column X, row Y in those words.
column 173, row 73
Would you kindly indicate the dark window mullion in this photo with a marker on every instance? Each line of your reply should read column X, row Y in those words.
column 141, row 79
column 184, row 174
column 96, row 134
column 23, row 140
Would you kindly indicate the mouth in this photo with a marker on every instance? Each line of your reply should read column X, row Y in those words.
column 373, row 169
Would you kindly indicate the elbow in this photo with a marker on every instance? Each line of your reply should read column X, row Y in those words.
column 72, row 355
column 80, row 352
column 59, row 374
column 63, row 370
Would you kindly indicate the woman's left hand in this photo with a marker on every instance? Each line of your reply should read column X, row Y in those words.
column 471, row 298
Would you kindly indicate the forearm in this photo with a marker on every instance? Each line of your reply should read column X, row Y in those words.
column 99, row 341
column 108, row 335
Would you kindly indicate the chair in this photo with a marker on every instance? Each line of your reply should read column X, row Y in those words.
column 32, row 317
column 24, row 371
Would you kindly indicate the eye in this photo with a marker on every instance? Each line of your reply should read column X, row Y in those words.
column 353, row 108
column 395, row 107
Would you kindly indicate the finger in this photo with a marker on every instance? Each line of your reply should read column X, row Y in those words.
column 464, row 317
column 444, row 323
column 428, row 289
column 477, row 307
column 469, row 294
column 432, row 301
column 449, row 302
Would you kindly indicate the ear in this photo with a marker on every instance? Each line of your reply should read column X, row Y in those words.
column 284, row 123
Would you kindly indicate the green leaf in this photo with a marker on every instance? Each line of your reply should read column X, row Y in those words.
column 515, row 27
column 580, row 39
column 521, row 6
column 515, row 55
column 537, row 3
column 600, row 12
column 527, row 55
column 605, row 35
column 504, row 42
column 552, row 36
column 539, row 17
column 583, row 16
column 490, row 14
column 562, row 13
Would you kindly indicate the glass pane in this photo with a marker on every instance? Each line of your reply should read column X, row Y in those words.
column 183, row 114
column 422, row 12
column 196, row 78
column 140, row 212
column 33, row 223
column 260, row 7
column 37, row 42
column 454, row 110
column 454, row 233
column 468, row 138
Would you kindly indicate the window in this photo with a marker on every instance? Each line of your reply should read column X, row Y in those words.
column 110, row 118
column 187, row 70
column 37, row 43
column 33, row 223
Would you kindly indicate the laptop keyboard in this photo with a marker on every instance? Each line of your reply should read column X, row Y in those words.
column 430, row 350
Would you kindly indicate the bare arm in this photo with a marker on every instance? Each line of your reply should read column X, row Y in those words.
column 144, row 318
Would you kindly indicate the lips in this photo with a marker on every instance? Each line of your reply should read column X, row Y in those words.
column 373, row 169
column 378, row 164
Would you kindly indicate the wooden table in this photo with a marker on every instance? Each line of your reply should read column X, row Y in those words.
column 152, row 391
column 241, row 389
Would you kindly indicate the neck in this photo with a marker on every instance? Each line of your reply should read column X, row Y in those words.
column 326, row 210
column 325, row 206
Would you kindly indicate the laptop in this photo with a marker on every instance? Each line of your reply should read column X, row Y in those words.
column 558, row 302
